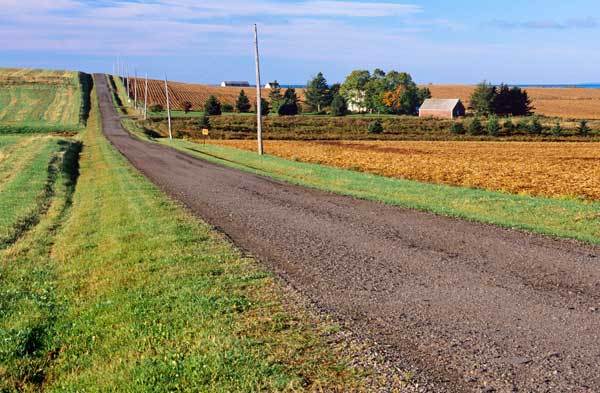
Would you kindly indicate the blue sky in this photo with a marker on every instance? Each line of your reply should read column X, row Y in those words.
column 460, row 41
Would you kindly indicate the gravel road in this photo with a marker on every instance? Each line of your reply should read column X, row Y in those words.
column 473, row 307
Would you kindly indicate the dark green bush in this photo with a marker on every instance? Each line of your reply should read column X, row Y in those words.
column 376, row 127
column 457, row 128
column 493, row 126
column 583, row 129
column 509, row 127
column 475, row 127
column 557, row 130
column 156, row 108
column 535, row 127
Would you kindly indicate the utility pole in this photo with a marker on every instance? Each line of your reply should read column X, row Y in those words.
column 135, row 106
column 146, row 99
column 128, row 85
column 258, row 97
column 168, row 107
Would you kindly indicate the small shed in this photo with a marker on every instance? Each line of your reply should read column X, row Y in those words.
column 235, row 84
column 442, row 108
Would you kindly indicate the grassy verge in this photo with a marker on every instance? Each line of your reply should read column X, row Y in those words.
column 119, row 289
column 567, row 218
column 27, row 192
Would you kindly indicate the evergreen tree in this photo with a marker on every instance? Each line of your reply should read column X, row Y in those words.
column 276, row 98
column 339, row 106
column 509, row 127
column 264, row 107
column 535, row 127
column 475, row 127
column 502, row 104
column 212, row 107
column 520, row 103
column 493, row 126
column 289, row 105
column 317, row 93
column 482, row 99
column 243, row 103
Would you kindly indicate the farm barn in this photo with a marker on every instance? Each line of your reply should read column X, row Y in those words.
column 442, row 108
column 235, row 84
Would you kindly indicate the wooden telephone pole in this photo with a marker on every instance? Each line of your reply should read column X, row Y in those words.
column 168, row 107
column 258, row 97
column 146, row 99
column 135, row 106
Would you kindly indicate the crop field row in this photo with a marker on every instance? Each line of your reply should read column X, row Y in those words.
column 181, row 92
column 559, row 102
column 26, row 176
column 41, row 101
column 542, row 169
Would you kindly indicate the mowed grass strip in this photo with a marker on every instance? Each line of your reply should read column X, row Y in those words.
column 26, row 193
column 39, row 101
column 134, row 294
column 570, row 218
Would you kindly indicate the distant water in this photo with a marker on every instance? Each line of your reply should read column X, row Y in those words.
column 576, row 86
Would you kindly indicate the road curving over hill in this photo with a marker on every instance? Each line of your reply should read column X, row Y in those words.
column 473, row 307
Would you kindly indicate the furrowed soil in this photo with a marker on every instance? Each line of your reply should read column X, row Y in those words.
column 531, row 168
column 468, row 307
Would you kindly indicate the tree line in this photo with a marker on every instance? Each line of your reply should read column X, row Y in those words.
column 502, row 100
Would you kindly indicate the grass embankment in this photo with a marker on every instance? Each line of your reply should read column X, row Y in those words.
column 569, row 218
column 122, row 290
column 38, row 101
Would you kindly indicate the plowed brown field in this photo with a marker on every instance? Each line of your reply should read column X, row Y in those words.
column 194, row 93
column 559, row 102
column 546, row 169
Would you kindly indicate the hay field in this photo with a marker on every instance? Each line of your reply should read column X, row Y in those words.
column 530, row 168
column 556, row 102
column 39, row 101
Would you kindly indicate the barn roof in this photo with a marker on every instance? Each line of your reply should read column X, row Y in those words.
column 236, row 83
column 437, row 104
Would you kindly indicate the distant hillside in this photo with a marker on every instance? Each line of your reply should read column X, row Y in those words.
column 43, row 101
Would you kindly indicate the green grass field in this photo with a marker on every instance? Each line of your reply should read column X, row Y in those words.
column 28, row 171
column 34, row 101
column 569, row 218
column 117, row 288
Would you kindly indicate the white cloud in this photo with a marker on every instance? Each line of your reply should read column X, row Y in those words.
column 169, row 26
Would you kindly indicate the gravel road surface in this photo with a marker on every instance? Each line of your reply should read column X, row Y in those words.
column 473, row 307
